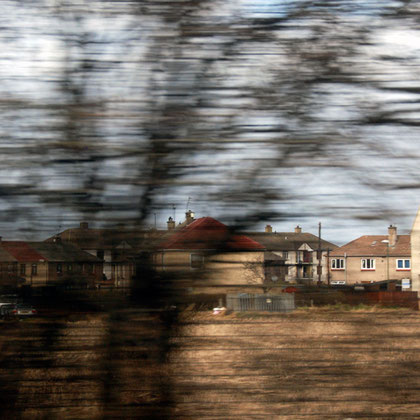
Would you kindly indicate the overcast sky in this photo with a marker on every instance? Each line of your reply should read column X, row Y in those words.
column 240, row 93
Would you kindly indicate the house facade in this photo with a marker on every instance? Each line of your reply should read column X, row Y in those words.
column 120, row 249
column 300, row 251
column 43, row 264
column 8, row 269
column 205, row 250
column 372, row 258
column 112, row 246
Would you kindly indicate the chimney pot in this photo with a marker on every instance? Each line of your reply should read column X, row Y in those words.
column 269, row 229
column 171, row 223
column 189, row 216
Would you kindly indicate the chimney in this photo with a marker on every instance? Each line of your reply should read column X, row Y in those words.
column 84, row 225
column 189, row 216
column 392, row 235
column 298, row 229
column 171, row 223
column 269, row 229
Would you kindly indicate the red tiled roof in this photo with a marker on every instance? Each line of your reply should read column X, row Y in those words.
column 372, row 246
column 22, row 251
column 209, row 233
column 6, row 256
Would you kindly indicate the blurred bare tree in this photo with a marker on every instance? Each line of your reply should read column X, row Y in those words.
column 111, row 109
column 157, row 99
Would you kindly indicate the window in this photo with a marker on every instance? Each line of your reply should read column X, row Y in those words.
column 338, row 264
column 69, row 267
column 307, row 256
column 34, row 269
column 285, row 255
column 23, row 269
column 197, row 261
column 403, row 265
column 59, row 268
column 368, row 264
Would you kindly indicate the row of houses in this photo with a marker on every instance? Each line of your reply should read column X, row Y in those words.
column 204, row 248
column 42, row 263
column 208, row 250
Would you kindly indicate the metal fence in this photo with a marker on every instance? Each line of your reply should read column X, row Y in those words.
column 243, row 302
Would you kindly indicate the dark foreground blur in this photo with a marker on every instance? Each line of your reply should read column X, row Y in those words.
column 123, row 364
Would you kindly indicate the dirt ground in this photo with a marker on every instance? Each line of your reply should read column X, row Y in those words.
column 309, row 364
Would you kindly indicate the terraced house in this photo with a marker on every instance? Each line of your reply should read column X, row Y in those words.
column 372, row 258
column 42, row 264
column 303, row 253
column 113, row 247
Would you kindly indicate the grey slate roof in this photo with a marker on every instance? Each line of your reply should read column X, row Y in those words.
column 109, row 239
column 62, row 252
column 288, row 241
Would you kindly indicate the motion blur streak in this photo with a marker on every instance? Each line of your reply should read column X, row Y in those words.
column 114, row 112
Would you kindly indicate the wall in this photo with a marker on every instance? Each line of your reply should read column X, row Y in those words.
column 9, row 274
column 415, row 254
column 39, row 279
column 47, row 273
column 295, row 272
column 354, row 274
column 236, row 268
column 226, row 268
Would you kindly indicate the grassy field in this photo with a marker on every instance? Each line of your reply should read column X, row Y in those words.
column 331, row 363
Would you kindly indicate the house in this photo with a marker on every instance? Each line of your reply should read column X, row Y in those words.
column 300, row 252
column 372, row 258
column 120, row 249
column 112, row 246
column 206, row 250
column 42, row 264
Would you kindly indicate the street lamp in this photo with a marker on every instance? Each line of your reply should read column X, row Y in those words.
column 385, row 241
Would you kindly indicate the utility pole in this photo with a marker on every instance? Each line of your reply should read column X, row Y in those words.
column 386, row 242
column 328, row 266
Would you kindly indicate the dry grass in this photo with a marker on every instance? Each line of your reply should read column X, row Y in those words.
column 332, row 363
